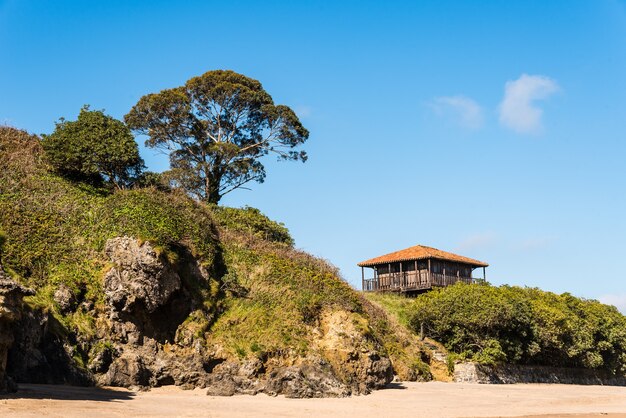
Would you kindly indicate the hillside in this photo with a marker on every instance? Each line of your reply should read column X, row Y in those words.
column 146, row 287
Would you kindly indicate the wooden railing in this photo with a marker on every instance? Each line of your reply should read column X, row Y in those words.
column 410, row 280
column 370, row 285
column 438, row 279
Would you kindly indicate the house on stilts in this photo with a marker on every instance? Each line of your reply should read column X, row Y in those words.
column 417, row 269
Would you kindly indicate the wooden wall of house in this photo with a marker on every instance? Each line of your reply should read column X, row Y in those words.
column 450, row 268
column 420, row 278
column 436, row 266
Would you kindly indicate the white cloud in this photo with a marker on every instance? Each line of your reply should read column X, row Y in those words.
column 467, row 111
column 617, row 300
column 518, row 110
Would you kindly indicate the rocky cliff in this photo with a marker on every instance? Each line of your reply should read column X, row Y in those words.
column 11, row 295
column 142, row 340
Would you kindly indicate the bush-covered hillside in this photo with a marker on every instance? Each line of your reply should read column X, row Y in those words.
column 522, row 325
column 262, row 299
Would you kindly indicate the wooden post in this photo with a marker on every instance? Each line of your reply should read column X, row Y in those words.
column 429, row 279
column 362, row 278
column 484, row 275
column 401, row 278
column 422, row 331
column 375, row 278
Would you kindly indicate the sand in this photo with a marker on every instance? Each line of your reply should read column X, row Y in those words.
column 434, row 399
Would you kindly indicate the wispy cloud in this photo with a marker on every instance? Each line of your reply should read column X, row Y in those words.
column 519, row 110
column 303, row 111
column 466, row 111
column 617, row 300
column 534, row 243
column 480, row 240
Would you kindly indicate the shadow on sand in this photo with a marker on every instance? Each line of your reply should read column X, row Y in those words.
column 394, row 385
column 69, row 393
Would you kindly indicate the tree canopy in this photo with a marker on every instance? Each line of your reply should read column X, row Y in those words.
column 94, row 148
column 216, row 128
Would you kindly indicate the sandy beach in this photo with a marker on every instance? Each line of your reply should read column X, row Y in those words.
column 433, row 399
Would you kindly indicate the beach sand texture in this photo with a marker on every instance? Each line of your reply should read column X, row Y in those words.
column 434, row 399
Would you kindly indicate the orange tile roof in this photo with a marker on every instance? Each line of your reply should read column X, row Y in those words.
column 420, row 252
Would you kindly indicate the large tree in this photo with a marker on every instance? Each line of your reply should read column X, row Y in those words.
column 94, row 148
column 216, row 128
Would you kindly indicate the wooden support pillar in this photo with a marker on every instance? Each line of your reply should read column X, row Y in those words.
column 430, row 282
column 376, row 278
column 362, row 278
column 484, row 274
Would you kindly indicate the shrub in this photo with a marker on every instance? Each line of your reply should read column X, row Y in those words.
column 94, row 148
column 522, row 325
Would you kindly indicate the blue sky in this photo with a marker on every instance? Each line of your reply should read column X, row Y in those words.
column 492, row 129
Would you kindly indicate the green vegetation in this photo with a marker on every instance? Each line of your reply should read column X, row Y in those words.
column 94, row 148
column 397, row 305
column 264, row 298
column 216, row 128
column 286, row 290
column 58, row 228
column 521, row 325
column 251, row 221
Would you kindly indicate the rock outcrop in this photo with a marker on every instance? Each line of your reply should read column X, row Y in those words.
column 147, row 304
column 11, row 294
column 139, row 276
column 143, row 338
column 352, row 357
column 41, row 353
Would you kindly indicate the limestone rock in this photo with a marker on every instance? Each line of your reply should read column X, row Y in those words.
column 353, row 358
column 138, row 276
column 306, row 381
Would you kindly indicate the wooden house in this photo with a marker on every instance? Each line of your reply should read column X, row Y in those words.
column 417, row 269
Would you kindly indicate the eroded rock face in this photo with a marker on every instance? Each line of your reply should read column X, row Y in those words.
column 138, row 276
column 148, row 302
column 40, row 355
column 310, row 378
column 11, row 295
column 354, row 359
column 343, row 362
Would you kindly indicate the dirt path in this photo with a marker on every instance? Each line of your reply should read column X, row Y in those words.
column 433, row 399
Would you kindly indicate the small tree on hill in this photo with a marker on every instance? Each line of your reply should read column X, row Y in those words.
column 94, row 148
column 217, row 127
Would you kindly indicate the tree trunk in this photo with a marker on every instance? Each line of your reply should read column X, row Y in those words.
column 212, row 189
